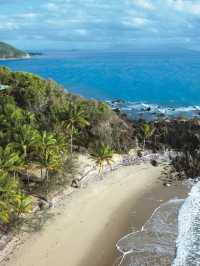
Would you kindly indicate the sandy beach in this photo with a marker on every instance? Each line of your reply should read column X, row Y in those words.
column 89, row 222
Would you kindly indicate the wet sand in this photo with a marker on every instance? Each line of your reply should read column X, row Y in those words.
column 93, row 219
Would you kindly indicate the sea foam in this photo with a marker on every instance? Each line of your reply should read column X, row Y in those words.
column 188, row 241
column 154, row 245
column 137, row 110
column 170, row 237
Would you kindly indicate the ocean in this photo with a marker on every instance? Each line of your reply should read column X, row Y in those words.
column 170, row 237
column 162, row 82
column 144, row 85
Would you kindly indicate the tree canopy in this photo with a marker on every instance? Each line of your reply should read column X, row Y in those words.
column 40, row 126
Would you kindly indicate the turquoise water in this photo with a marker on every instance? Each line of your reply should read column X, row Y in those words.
column 167, row 79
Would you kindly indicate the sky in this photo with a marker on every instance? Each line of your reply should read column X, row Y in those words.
column 100, row 24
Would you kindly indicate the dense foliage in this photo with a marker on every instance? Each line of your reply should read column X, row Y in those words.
column 7, row 51
column 41, row 126
column 179, row 135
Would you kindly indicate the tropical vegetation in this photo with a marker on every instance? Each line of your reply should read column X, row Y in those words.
column 102, row 155
column 181, row 136
column 41, row 128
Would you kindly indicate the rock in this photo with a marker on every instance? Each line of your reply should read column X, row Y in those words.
column 75, row 183
column 44, row 205
column 166, row 184
column 116, row 110
column 118, row 101
column 154, row 163
column 139, row 153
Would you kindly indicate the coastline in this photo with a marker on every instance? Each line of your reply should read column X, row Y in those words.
column 14, row 58
column 151, row 201
column 91, row 220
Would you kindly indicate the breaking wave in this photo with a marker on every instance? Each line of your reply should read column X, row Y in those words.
column 170, row 237
column 188, row 241
column 138, row 110
column 154, row 245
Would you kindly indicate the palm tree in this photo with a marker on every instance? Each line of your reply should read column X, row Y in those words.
column 10, row 161
column 103, row 154
column 26, row 138
column 30, row 118
column 49, row 153
column 4, row 212
column 147, row 132
column 12, row 201
column 22, row 204
column 13, row 115
column 76, row 118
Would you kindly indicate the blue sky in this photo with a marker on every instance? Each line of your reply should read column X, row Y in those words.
column 67, row 24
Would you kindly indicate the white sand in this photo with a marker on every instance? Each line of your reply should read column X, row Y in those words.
column 89, row 219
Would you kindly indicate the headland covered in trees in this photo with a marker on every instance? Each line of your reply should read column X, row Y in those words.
column 8, row 52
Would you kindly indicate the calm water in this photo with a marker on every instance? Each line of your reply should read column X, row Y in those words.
column 167, row 79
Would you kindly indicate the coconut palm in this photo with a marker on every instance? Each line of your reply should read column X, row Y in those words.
column 103, row 154
column 48, row 152
column 76, row 118
column 22, row 204
column 10, row 161
column 12, row 201
column 4, row 212
column 26, row 138
column 11, row 115
column 147, row 132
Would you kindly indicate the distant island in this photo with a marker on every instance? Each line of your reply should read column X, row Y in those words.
column 35, row 53
column 7, row 51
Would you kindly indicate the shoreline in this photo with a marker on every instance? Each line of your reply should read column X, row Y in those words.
column 15, row 59
column 87, row 225
column 135, row 216
column 152, row 201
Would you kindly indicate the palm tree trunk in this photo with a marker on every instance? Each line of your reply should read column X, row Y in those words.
column 136, row 143
column 144, row 143
column 71, row 143
column 47, row 175
column 41, row 173
column 47, row 181
column 25, row 151
column 101, row 171
column 28, row 179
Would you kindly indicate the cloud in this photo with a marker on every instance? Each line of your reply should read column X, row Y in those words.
column 136, row 22
column 27, row 16
column 52, row 7
column 186, row 6
column 146, row 4
column 99, row 23
column 82, row 32
column 8, row 25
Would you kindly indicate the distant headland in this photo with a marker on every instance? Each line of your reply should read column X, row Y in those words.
column 8, row 52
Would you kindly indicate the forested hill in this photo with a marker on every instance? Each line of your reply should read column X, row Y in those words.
column 42, row 128
column 9, row 52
